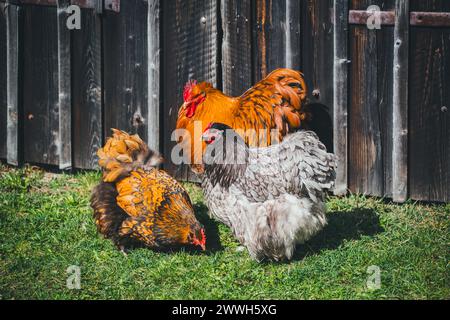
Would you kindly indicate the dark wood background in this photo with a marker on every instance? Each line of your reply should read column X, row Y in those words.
column 125, row 77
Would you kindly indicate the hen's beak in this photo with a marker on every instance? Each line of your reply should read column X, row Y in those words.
column 207, row 136
column 203, row 247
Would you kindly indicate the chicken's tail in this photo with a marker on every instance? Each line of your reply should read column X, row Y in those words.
column 282, row 93
column 107, row 214
column 123, row 153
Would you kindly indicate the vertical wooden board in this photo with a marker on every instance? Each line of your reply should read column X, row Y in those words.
column 340, row 94
column 385, row 48
column 40, row 85
column 316, row 63
column 400, row 102
column 236, row 46
column 317, row 50
column 370, row 156
column 429, row 115
column 13, row 69
column 153, row 73
column 3, row 97
column 276, row 36
column 190, row 47
column 125, row 68
column 87, row 91
column 365, row 169
column 64, row 88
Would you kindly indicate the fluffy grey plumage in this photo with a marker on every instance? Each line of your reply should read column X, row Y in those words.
column 273, row 197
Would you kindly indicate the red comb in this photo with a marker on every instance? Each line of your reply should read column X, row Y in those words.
column 200, row 242
column 188, row 89
column 203, row 241
column 202, row 231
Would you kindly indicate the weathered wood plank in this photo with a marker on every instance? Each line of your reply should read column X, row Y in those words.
column 365, row 149
column 370, row 119
column 12, row 83
column 276, row 35
column 385, row 49
column 64, row 88
column 317, row 50
column 87, row 91
column 368, row 111
column 190, row 41
column 236, row 46
column 317, row 61
column 125, row 68
column 340, row 96
column 40, row 85
column 429, row 115
column 400, row 103
column 153, row 73
column 3, row 75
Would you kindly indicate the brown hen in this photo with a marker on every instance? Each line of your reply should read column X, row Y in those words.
column 139, row 204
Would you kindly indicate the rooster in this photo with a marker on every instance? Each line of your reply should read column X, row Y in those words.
column 273, row 103
column 139, row 204
column 273, row 197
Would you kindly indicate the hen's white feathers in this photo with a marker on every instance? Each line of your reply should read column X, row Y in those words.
column 276, row 199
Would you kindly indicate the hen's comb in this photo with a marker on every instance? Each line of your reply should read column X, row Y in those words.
column 188, row 89
column 203, row 236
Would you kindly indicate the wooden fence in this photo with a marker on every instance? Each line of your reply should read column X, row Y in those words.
column 387, row 89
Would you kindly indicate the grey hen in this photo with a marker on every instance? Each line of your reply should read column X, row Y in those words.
column 273, row 197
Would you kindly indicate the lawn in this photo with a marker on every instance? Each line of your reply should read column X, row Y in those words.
column 46, row 226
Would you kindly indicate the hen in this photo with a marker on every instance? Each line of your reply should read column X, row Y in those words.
column 139, row 204
column 273, row 103
column 273, row 197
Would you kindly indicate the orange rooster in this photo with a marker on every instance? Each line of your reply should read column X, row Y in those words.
column 273, row 103
column 138, row 204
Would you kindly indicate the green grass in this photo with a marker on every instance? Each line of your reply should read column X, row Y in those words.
column 46, row 226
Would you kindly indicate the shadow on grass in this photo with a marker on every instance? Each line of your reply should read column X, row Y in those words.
column 211, row 228
column 342, row 226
